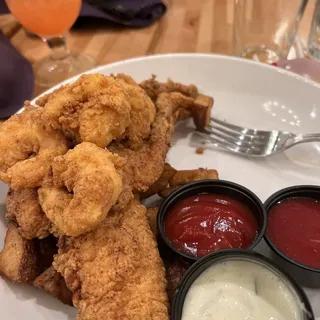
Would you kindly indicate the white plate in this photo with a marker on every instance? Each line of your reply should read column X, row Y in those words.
column 245, row 93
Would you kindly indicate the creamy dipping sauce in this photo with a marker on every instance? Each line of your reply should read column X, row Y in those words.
column 241, row 290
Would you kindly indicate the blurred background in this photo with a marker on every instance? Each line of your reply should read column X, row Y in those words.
column 97, row 32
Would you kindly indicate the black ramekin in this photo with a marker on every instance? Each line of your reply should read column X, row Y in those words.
column 222, row 187
column 201, row 265
column 302, row 191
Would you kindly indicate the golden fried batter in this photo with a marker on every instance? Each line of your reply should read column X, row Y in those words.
column 142, row 113
column 182, row 177
column 93, row 109
column 27, row 149
column 23, row 207
column 201, row 110
column 152, row 214
column 155, row 88
column 165, row 192
column 115, row 271
column 185, row 176
column 108, row 260
column 167, row 173
column 86, row 185
column 99, row 109
column 144, row 166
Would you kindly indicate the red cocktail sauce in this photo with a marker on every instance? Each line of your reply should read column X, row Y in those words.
column 294, row 228
column 205, row 223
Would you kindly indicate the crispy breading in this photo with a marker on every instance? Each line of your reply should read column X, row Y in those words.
column 86, row 186
column 115, row 271
column 161, row 183
column 152, row 219
column 24, row 209
column 142, row 113
column 185, row 176
column 98, row 109
column 165, row 192
column 155, row 88
column 52, row 282
column 203, row 104
column 182, row 177
column 94, row 109
column 19, row 257
column 144, row 166
column 27, row 149
column 108, row 261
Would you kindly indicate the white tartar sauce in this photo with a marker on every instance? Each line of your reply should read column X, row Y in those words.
column 241, row 290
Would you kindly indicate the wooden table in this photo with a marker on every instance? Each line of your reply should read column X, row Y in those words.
column 188, row 26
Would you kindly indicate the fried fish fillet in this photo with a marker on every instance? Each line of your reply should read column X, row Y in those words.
column 86, row 186
column 19, row 257
column 24, row 209
column 115, row 271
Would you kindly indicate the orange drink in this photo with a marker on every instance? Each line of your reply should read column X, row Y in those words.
column 45, row 17
column 51, row 20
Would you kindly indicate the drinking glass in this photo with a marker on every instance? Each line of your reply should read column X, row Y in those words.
column 314, row 36
column 50, row 20
column 264, row 30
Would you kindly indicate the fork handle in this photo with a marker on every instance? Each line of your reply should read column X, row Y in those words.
column 308, row 137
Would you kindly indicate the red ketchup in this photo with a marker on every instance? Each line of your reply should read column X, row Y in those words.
column 294, row 228
column 205, row 223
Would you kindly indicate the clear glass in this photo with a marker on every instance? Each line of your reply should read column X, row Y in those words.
column 264, row 30
column 314, row 36
column 50, row 20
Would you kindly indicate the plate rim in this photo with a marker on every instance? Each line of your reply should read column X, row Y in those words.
column 184, row 55
column 179, row 55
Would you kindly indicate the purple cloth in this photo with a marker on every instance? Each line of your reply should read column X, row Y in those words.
column 16, row 79
column 3, row 7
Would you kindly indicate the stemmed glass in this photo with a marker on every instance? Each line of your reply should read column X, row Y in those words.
column 50, row 20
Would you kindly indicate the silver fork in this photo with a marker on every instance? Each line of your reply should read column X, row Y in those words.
column 252, row 142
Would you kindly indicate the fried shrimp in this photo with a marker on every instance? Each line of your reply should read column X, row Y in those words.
column 142, row 114
column 86, row 184
column 93, row 109
column 99, row 109
column 27, row 149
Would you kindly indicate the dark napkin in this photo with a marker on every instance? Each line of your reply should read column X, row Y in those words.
column 3, row 7
column 133, row 13
column 16, row 78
